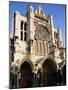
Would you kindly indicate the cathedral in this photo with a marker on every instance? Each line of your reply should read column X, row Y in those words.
column 37, row 53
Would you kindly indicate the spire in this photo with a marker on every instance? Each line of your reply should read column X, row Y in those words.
column 52, row 22
column 40, row 7
column 39, row 11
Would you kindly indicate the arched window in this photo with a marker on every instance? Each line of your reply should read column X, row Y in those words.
column 23, row 31
column 25, row 36
column 21, row 35
column 25, row 25
column 21, row 25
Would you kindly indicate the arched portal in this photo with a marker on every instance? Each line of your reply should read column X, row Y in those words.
column 49, row 73
column 26, row 75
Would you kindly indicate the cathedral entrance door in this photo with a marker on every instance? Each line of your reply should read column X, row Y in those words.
column 49, row 73
column 26, row 75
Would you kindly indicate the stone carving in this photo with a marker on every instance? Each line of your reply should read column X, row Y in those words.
column 41, row 33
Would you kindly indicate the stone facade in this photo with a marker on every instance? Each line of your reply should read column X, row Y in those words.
column 35, row 40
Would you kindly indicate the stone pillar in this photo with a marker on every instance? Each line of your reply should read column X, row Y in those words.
column 45, row 49
column 35, row 79
column 38, row 48
column 52, row 31
column 42, row 49
column 19, row 77
column 41, row 78
column 60, row 39
column 16, row 25
column 17, row 81
column 35, row 76
column 30, row 23
column 47, row 44
column 60, row 36
column 13, row 26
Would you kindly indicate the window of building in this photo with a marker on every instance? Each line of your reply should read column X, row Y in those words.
column 21, row 25
column 23, row 31
column 21, row 35
column 25, row 36
column 25, row 25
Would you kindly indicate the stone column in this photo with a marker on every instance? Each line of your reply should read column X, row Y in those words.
column 42, row 49
column 16, row 24
column 38, row 48
column 34, row 80
column 52, row 30
column 35, row 77
column 15, row 80
column 60, row 36
column 41, row 78
column 18, row 79
column 45, row 48
column 30, row 23
column 60, row 39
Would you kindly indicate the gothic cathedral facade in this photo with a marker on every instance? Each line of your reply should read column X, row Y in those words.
column 36, row 50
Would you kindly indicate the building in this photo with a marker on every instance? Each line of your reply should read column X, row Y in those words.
column 36, row 50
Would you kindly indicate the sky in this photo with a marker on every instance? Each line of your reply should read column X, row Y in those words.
column 56, row 10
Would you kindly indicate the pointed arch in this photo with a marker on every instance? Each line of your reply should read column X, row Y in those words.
column 26, row 60
column 26, row 79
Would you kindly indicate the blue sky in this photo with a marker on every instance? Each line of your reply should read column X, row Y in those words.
column 57, row 10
